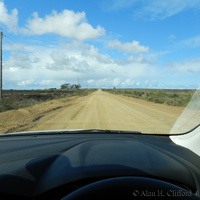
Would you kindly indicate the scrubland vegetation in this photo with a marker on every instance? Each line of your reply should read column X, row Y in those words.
column 162, row 96
column 15, row 99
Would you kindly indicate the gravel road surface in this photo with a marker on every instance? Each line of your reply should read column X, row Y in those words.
column 102, row 110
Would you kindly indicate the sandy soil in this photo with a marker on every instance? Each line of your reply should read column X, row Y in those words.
column 99, row 110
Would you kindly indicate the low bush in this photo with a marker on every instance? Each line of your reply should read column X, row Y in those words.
column 170, row 97
column 15, row 99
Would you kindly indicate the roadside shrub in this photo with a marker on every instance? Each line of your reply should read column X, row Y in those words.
column 25, row 98
column 170, row 97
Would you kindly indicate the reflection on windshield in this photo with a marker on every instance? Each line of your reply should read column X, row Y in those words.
column 190, row 117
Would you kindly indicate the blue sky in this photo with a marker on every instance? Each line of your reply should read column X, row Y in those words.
column 103, row 43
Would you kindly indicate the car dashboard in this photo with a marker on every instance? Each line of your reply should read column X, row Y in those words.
column 52, row 165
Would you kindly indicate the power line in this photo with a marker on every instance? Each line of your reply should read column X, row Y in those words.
column 17, row 43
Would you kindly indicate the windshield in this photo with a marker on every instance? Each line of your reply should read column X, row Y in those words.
column 104, row 64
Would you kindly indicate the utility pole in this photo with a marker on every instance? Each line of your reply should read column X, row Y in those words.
column 1, row 76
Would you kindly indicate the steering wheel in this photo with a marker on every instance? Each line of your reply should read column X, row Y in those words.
column 129, row 188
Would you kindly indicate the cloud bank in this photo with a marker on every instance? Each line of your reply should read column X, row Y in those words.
column 133, row 48
column 66, row 23
column 9, row 19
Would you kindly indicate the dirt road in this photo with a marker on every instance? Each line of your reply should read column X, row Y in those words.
column 101, row 110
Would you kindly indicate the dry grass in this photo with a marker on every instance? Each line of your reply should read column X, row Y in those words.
column 16, row 99
column 162, row 96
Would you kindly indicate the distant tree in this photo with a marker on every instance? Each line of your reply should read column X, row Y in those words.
column 69, row 86
column 75, row 86
column 78, row 86
column 65, row 86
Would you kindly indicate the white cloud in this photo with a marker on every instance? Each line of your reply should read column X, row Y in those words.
column 93, row 52
column 191, row 42
column 104, row 82
column 25, row 82
column 10, row 20
column 131, row 60
column 50, row 82
column 189, row 65
column 66, row 23
column 133, row 47
column 119, row 4
column 155, row 9
column 162, row 9
column 51, row 66
column 14, row 47
column 62, row 62
column 19, row 60
column 115, row 82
